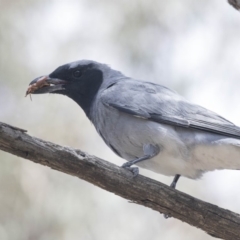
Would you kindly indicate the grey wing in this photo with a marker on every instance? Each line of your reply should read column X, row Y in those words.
column 160, row 104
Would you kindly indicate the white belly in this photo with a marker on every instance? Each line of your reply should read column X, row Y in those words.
column 195, row 159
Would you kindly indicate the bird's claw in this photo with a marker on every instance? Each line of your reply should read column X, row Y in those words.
column 126, row 165
column 173, row 185
column 133, row 170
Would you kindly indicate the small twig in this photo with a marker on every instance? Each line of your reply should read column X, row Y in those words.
column 235, row 3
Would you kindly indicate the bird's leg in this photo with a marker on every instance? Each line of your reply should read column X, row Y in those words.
column 175, row 180
column 149, row 150
column 173, row 185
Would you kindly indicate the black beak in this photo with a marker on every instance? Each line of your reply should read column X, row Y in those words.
column 45, row 84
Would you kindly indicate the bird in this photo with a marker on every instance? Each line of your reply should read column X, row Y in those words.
column 145, row 123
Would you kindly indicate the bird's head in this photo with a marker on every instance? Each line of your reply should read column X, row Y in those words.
column 80, row 80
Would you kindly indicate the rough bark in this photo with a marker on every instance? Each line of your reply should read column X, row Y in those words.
column 235, row 3
column 141, row 190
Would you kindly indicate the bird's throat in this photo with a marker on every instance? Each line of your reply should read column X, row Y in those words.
column 84, row 92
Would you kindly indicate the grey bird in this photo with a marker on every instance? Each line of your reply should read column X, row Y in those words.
column 145, row 123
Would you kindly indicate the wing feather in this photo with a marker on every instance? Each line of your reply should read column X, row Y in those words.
column 160, row 104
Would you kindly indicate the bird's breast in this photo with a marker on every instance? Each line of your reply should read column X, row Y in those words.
column 127, row 134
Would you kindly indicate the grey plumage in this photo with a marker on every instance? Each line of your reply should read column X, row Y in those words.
column 131, row 114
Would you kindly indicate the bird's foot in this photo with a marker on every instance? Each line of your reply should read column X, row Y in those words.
column 173, row 185
column 133, row 170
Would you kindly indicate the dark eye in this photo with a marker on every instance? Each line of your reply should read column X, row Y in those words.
column 77, row 74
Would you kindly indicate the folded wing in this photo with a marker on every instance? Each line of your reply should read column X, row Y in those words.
column 159, row 104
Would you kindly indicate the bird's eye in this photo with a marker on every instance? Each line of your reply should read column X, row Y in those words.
column 77, row 74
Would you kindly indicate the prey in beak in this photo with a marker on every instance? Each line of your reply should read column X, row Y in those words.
column 45, row 84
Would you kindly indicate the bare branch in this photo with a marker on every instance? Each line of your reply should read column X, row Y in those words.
column 235, row 3
column 215, row 221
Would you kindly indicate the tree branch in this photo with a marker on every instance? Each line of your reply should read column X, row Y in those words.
column 235, row 3
column 215, row 221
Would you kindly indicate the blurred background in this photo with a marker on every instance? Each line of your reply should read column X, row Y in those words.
column 190, row 46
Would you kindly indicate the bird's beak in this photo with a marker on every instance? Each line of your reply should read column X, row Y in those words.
column 45, row 84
